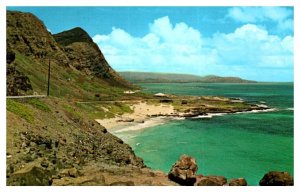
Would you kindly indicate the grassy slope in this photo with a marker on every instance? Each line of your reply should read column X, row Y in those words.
column 65, row 82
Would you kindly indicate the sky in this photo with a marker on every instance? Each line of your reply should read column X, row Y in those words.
column 254, row 43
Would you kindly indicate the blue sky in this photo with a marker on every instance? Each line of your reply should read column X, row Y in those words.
column 250, row 42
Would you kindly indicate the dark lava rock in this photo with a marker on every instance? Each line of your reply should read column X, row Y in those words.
column 277, row 178
column 10, row 56
column 211, row 181
column 126, row 120
column 183, row 171
column 166, row 101
column 238, row 182
column 184, row 102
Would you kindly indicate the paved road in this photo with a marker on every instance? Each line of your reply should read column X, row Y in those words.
column 25, row 96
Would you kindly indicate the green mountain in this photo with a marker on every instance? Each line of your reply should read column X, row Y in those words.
column 78, row 68
column 148, row 77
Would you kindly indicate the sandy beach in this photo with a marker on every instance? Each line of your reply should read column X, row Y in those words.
column 146, row 115
column 140, row 118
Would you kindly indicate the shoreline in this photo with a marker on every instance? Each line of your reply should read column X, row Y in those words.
column 149, row 115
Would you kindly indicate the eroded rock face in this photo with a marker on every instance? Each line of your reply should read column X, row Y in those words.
column 238, row 182
column 277, row 178
column 17, row 82
column 184, row 171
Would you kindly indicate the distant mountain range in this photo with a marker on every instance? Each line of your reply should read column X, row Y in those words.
column 149, row 77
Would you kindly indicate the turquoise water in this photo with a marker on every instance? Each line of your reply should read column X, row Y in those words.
column 237, row 145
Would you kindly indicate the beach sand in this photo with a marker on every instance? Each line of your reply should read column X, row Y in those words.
column 146, row 115
column 140, row 118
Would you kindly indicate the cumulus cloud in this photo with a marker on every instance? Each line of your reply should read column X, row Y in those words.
column 164, row 48
column 247, row 52
column 250, row 45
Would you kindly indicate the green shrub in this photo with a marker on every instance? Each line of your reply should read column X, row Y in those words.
column 19, row 109
column 39, row 105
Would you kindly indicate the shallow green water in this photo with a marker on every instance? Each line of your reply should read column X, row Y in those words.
column 239, row 145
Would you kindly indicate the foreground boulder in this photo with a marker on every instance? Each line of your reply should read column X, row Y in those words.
column 210, row 180
column 184, row 171
column 31, row 175
column 238, row 182
column 277, row 178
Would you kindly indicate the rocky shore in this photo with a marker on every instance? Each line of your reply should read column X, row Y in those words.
column 184, row 172
column 147, row 115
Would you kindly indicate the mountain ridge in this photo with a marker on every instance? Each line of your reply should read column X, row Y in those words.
column 86, row 56
column 152, row 77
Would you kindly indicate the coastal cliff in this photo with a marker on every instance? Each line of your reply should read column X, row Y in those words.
column 55, row 140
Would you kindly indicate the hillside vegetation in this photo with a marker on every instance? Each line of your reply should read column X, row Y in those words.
column 55, row 140
column 148, row 77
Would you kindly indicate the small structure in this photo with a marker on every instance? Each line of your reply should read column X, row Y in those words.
column 129, row 92
column 160, row 95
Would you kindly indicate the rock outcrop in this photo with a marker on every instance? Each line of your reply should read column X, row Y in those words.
column 59, row 155
column 31, row 174
column 210, row 180
column 17, row 83
column 238, row 182
column 184, row 171
column 276, row 178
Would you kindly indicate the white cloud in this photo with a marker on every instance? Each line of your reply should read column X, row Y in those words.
column 250, row 45
column 246, row 52
column 163, row 28
column 98, row 38
column 165, row 47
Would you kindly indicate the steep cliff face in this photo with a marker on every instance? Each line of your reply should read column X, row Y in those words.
column 85, row 56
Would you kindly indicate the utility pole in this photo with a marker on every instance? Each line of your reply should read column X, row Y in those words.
column 48, row 91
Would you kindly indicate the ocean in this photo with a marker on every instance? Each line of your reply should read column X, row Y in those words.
column 235, row 145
